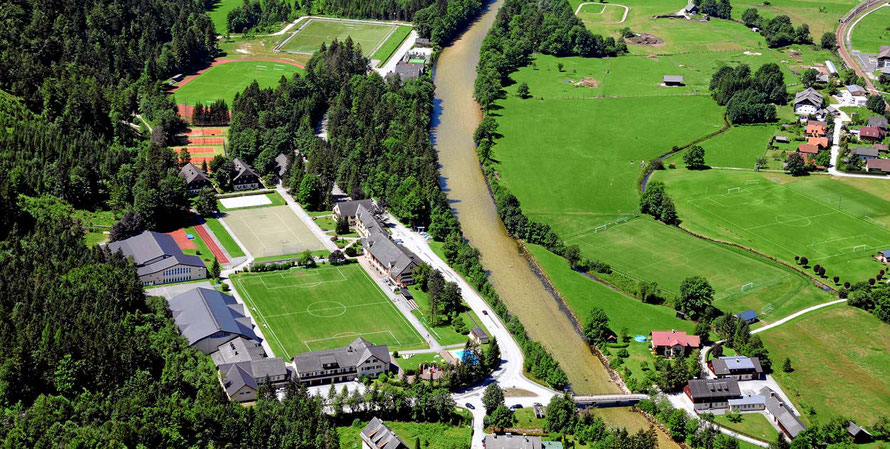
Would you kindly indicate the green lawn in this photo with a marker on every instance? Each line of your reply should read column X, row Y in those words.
column 753, row 424
column 322, row 308
column 275, row 198
column 219, row 11
column 225, row 80
column 837, row 353
column 525, row 419
column 391, row 45
column 832, row 223
column 309, row 37
column 224, row 237
column 737, row 147
column 872, row 31
column 820, row 16
column 415, row 360
column 444, row 334
column 431, row 435
column 201, row 249
column 600, row 13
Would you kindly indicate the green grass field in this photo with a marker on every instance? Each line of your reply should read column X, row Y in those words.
column 225, row 80
column 391, row 45
column 309, row 37
column 431, row 435
column 833, row 224
column 219, row 10
column 872, row 31
column 837, row 353
column 322, row 308
column 224, row 237
column 444, row 334
column 753, row 424
column 738, row 147
column 820, row 16
column 600, row 13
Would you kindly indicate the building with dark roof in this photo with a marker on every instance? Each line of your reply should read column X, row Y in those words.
column 238, row 350
column 781, row 414
column 712, row 394
column 208, row 318
column 738, row 368
column 244, row 178
column 195, row 178
column 878, row 122
column 159, row 260
column 349, row 209
column 478, row 335
column 241, row 380
column 407, row 70
column 865, row 153
column 884, row 56
column 672, row 80
column 360, row 358
column 493, row 441
column 878, row 165
column 390, row 258
column 808, row 101
column 749, row 316
column 860, row 435
column 376, row 435
column 366, row 222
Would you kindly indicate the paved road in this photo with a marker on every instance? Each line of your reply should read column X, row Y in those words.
column 845, row 48
column 797, row 314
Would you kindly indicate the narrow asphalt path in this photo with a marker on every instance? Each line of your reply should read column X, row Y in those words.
column 797, row 314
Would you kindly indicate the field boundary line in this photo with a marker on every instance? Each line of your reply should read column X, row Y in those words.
column 392, row 305
column 353, row 335
column 255, row 310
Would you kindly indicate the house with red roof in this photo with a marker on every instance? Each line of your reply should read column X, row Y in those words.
column 806, row 148
column 871, row 134
column 816, row 128
column 673, row 343
column 820, row 142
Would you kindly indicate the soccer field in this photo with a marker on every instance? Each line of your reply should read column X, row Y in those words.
column 223, row 81
column 303, row 310
column 309, row 37
column 271, row 231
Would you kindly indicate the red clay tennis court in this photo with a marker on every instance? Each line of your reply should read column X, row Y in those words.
column 204, row 132
column 198, row 150
column 198, row 160
column 205, row 140
column 181, row 239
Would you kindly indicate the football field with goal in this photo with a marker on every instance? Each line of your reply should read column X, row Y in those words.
column 309, row 37
column 302, row 310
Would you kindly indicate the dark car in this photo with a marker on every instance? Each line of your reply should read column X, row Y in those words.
column 470, row 406
column 516, row 406
column 485, row 312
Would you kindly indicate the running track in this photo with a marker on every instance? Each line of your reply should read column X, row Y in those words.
column 211, row 244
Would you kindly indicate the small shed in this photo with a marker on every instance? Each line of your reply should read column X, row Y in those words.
column 832, row 70
column 407, row 294
column 748, row 316
column 673, row 80
column 783, row 139
column 860, row 435
column 479, row 336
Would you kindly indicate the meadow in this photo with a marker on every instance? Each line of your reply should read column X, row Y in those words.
column 327, row 307
column 224, row 237
column 386, row 50
column 430, row 435
column 309, row 37
column 600, row 13
column 753, row 424
column 821, row 16
column 444, row 334
column 223, row 81
column 837, row 353
column 737, row 147
column 833, row 224
column 872, row 31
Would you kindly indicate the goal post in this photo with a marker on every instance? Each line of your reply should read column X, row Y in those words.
column 600, row 228
column 733, row 189
column 751, row 181
column 747, row 286
column 859, row 248
column 767, row 309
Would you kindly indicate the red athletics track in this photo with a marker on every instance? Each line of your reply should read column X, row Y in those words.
column 211, row 245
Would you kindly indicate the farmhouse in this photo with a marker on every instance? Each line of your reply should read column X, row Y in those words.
column 673, row 80
column 479, row 336
column 884, row 56
column 493, row 441
column 748, row 316
column 672, row 343
column 884, row 256
column 241, row 380
column 244, row 177
column 808, row 101
column 376, row 435
column 208, row 319
column 878, row 122
column 738, row 368
column 751, row 403
column 712, row 394
column 195, row 178
column 870, row 134
column 349, row 209
column 390, row 258
column 816, row 128
column 781, row 414
column 878, row 165
column 865, row 153
column 159, row 260
column 360, row 358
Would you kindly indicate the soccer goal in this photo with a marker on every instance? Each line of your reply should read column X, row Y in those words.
column 747, row 286
column 733, row 189
column 621, row 220
column 767, row 309
column 752, row 181
column 859, row 248
column 261, row 68
column 600, row 228
column 278, row 67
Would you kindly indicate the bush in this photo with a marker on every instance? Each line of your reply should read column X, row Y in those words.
column 623, row 353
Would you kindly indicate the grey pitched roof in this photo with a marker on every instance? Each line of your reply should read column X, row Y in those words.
column 378, row 436
column 885, row 253
column 202, row 312
column 880, row 122
column 408, row 70
column 350, row 208
column 726, row 365
column 153, row 252
column 492, row 441
column 242, row 170
column 398, row 259
column 191, row 173
column 257, row 370
column 748, row 400
column 478, row 332
column 368, row 220
column 236, row 376
column 855, row 88
column 884, row 52
column 780, row 411
column 238, row 350
column 281, row 165
column 350, row 356
column 673, row 79
column 854, row 430
column 714, row 388
column 865, row 151
column 808, row 95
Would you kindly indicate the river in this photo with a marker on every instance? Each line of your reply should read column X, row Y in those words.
column 456, row 117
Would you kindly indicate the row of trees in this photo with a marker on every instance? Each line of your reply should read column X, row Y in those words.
column 749, row 98
column 779, row 32
column 418, row 402
column 715, row 8
column 656, row 202
column 738, row 337
column 254, row 14
column 215, row 114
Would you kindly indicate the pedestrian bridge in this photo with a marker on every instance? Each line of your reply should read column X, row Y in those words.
column 608, row 400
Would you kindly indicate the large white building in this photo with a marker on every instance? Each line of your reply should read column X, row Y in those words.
column 159, row 260
column 360, row 358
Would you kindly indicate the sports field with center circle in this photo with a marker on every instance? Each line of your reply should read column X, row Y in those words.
column 322, row 308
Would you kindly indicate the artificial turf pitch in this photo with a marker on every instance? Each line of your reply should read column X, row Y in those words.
column 271, row 231
column 223, row 81
column 309, row 37
column 327, row 307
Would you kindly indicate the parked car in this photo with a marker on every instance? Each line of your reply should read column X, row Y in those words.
column 516, row 406
column 485, row 312
column 470, row 406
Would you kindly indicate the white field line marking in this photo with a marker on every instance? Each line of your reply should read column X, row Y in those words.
column 623, row 18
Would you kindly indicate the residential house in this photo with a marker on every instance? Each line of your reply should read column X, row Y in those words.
column 673, row 80
column 712, row 394
column 349, row 209
column 860, row 435
column 408, row 70
column 244, row 177
column 878, row 122
column 878, row 165
column 865, row 153
column 237, row 350
column 366, row 222
column 870, row 134
column 390, row 258
column 781, row 414
column 241, row 380
column 880, row 147
column 857, row 91
column 159, row 260
column 195, row 178
column 819, row 142
column 808, row 101
column 752, row 403
column 738, row 368
column 493, row 441
column 807, row 148
column 748, row 316
column 422, row 42
column 884, row 56
column 832, row 69
column 209, row 318
column 673, row 343
column 884, row 256
column 816, row 128
column 282, row 164
column 831, row 110
column 360, row 358
column 376, row 435
column 479, row 336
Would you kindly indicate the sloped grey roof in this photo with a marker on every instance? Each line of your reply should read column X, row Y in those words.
column 202, row 312
column 673, row 79
column 281, row 164
column 776, row 407
column 368, row 220
column 880, row 122
column 153, row 252
column 242, row 170
column 808, row 95
column 256, row 370
column 478, row 332
column 238, row 350
column 865, row 151
column 350, row 356
column 492, row 441
column 714, row 388
column 398, row 259
column 854, row 430
column 191, row 173
column 350, row 208
column 747, row 315
column 377, row 435
column 236, row 376
column 726, row 365
column 884, row 52
column 408, row 70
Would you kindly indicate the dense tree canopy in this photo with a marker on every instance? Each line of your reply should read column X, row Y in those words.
column 749, row 98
